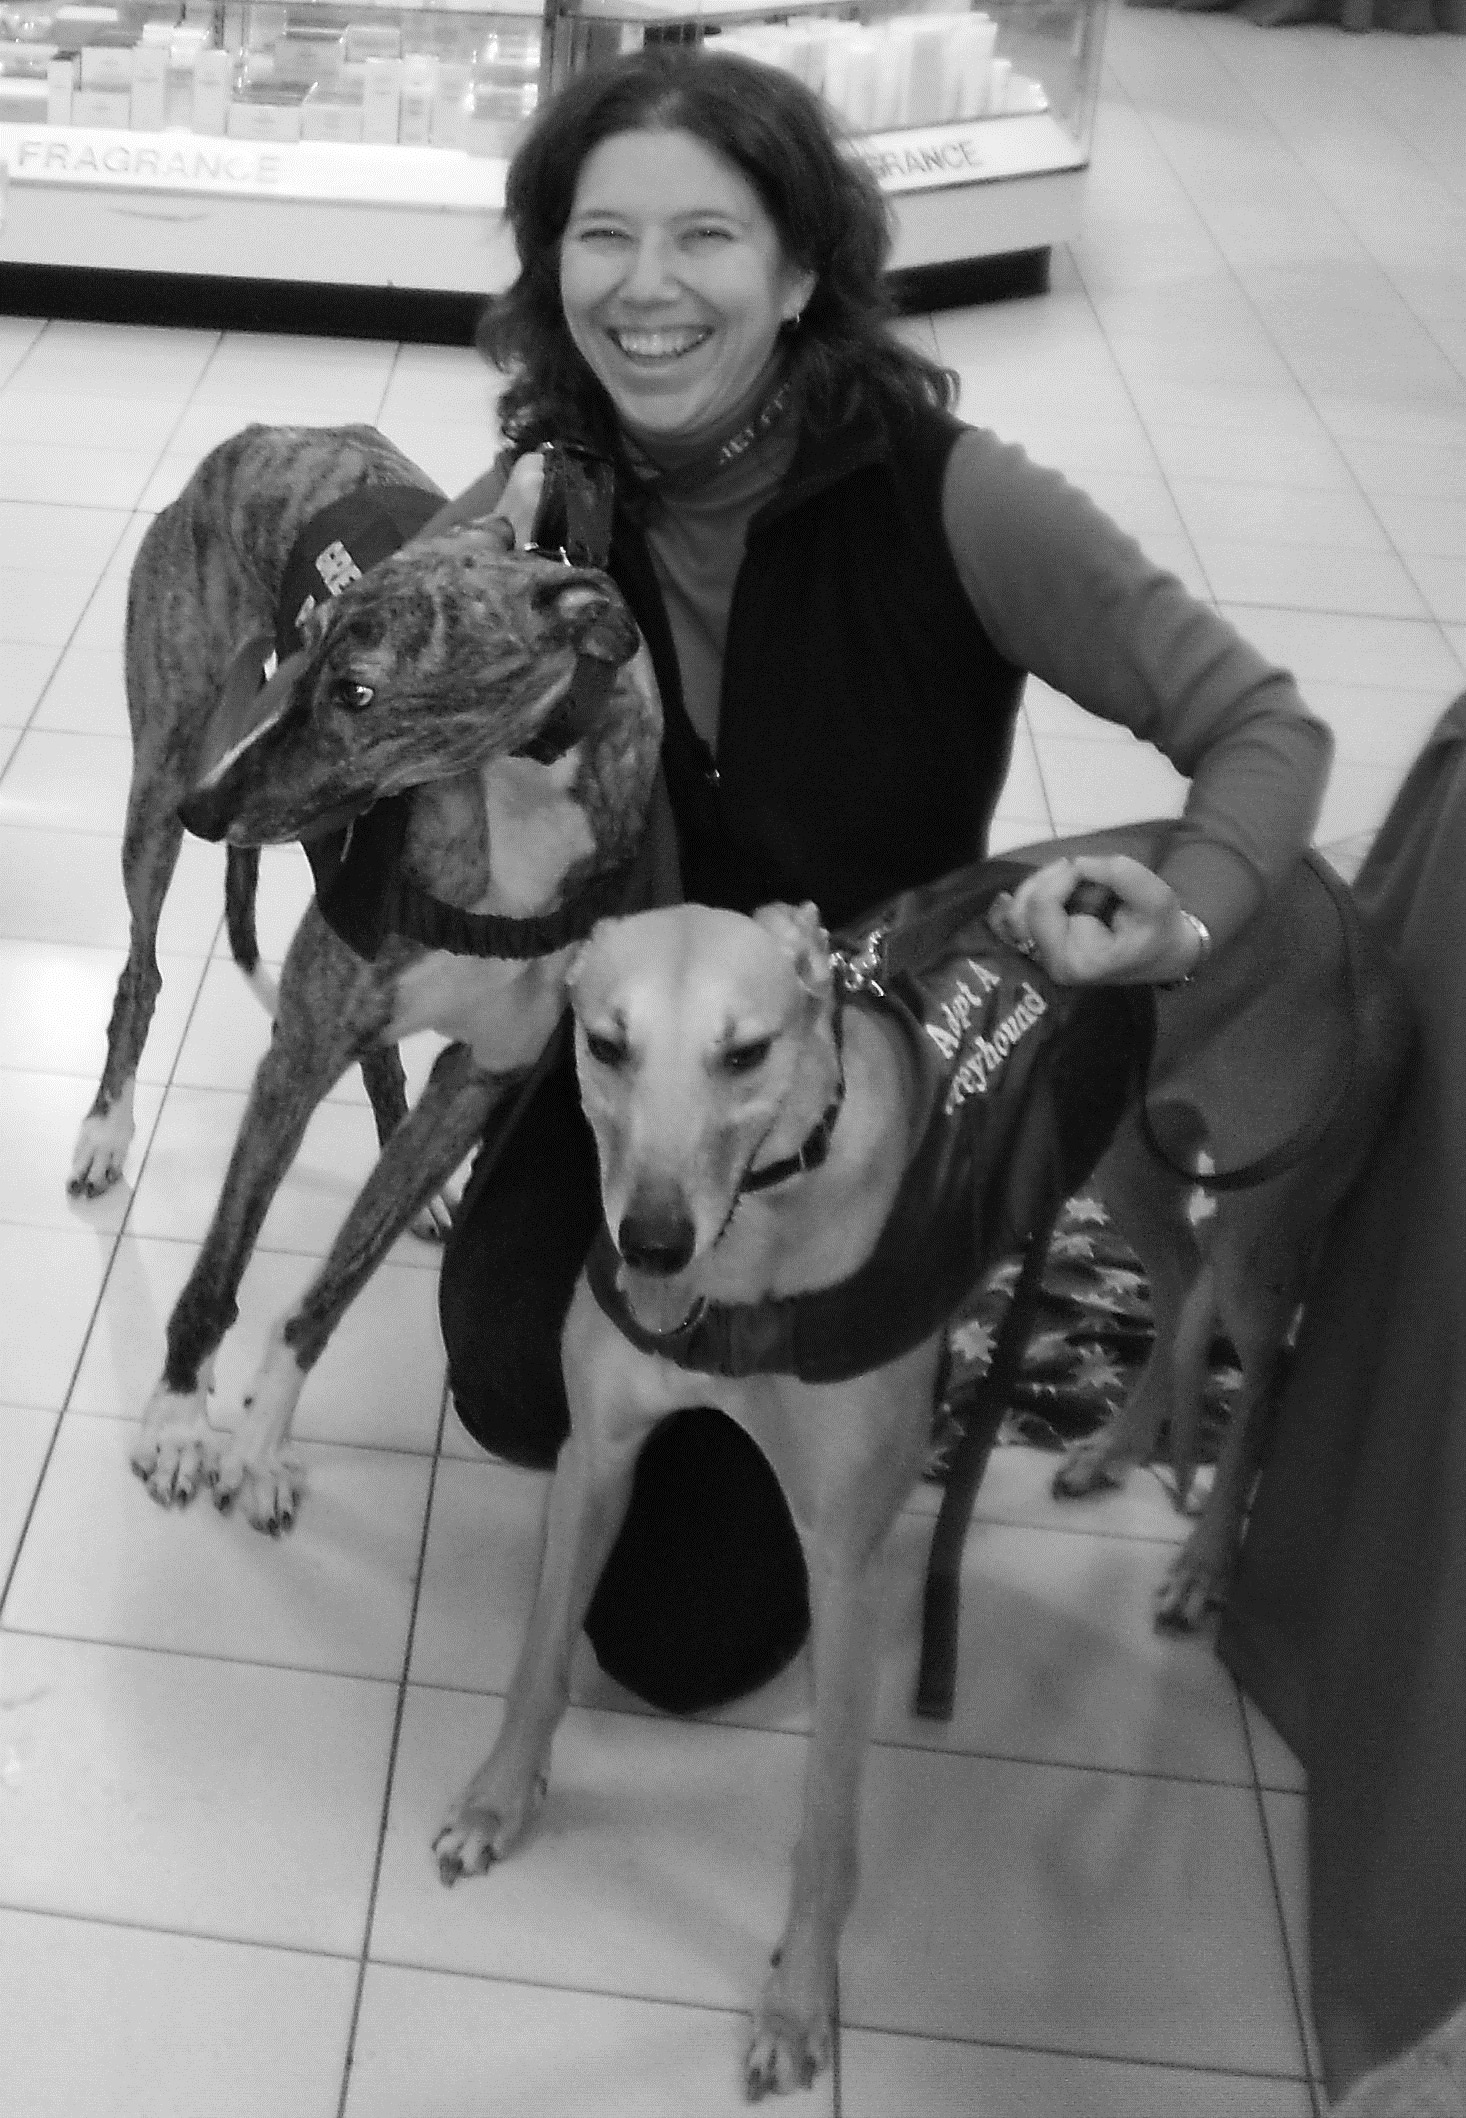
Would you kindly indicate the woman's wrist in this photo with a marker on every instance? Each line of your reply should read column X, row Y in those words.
column 1194, row 947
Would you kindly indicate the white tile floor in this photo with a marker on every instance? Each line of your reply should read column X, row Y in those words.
column 221, row 1757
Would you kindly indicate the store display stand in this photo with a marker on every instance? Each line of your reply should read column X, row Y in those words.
column 105, row 220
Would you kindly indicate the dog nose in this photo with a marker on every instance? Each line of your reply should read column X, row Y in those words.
column 657, row 1238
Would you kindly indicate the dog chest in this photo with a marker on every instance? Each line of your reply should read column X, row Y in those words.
column 503, row 1010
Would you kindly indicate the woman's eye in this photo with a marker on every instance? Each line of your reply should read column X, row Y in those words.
column 746, row 1058
column 606, row 1051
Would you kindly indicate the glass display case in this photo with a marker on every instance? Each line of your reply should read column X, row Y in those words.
column 365, row 144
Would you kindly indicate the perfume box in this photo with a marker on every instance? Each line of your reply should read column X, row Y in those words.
column 149, row 87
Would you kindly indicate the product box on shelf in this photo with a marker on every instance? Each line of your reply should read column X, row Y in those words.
column 452, row 75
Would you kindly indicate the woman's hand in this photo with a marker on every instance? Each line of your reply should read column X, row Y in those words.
column 1148, row 941
column 520, row 499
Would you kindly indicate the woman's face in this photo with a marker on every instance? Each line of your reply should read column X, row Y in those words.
column 674, row 281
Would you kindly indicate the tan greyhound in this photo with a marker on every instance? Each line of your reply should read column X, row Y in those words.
column 753, row 1133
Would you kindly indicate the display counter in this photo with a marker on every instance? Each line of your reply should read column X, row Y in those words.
column 365, row 146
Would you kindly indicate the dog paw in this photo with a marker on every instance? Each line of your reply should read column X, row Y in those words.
column 101, row 1148
column 266, row 1488
column 433, row 1223
column 1196, row 1583
column 1089, row 1467
column 177, row 1450
column 786, row 2051
column 479, row 1832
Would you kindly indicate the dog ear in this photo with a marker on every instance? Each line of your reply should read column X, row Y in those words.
column 575, row 961
column 798, row 929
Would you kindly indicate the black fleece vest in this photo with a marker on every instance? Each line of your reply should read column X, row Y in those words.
column 866, row 720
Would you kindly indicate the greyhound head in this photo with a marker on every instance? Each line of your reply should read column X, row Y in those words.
column 705, row 1047
column 452, row 651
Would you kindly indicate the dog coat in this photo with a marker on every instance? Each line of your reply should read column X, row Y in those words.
column 356, row 861
column 1022, row 1082
column 335, row 547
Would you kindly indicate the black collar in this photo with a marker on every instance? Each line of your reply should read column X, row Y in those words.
column 816, row 1143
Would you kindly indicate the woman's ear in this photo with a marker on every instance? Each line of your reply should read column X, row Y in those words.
column 797, row 299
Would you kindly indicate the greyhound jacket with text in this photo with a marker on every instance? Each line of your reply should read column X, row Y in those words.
column 1023, row 1082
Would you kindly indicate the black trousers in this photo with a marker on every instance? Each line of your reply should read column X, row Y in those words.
column 704, row 1596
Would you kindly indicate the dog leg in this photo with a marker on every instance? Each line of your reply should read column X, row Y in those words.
column 329, row 1012
column 386, row 1087
column 1149, row 1209
column 849, row 1456
column 256, row 1467
column 589, row 1495
column 1258, row 1279
column 150, row 843
column 177, row 1448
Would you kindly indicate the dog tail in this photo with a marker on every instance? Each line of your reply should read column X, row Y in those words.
column 241, row 879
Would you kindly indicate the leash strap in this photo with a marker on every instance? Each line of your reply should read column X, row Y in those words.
column 1276, row 1161
column 577, row 501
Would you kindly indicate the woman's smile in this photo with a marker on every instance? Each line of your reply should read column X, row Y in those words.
column 674, row 283
column 659, row 346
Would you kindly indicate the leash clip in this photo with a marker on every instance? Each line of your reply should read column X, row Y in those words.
column 860, row 973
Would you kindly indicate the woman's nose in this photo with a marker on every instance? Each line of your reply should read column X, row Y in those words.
column 651, row 268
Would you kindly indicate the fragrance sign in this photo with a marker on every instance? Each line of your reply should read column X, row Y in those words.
column 176, row 162
column 204, row 166
column 1027, row 143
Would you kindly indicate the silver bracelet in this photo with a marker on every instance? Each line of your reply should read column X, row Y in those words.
column 1203, row 935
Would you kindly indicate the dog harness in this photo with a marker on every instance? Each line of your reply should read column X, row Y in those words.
column 1022, row 1083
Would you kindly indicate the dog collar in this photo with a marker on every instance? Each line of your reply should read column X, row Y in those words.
column 816, row 1144
column 417, row 915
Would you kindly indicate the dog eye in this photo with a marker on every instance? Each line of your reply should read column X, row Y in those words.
column 606, row 1051
column 354, row 698
column 745, row 1058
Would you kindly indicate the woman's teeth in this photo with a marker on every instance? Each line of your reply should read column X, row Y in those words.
column 658, row 345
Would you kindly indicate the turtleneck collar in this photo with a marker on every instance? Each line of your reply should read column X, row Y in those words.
column 673, row 467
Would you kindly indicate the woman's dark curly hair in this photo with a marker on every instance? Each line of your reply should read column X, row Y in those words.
column 824, row 203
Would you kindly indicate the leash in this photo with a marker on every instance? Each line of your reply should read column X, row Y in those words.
column 1276, row 1161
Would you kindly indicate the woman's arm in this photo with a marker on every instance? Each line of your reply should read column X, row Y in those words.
column 1062, row 592
column 508, row 487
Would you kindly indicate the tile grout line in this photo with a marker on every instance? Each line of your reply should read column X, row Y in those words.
column 1085, row 2052
column 116, row 1237
column 403, row 1686
column 129, row 514
column 1295, row 1992
column 1385, row 119
column 1245, row 294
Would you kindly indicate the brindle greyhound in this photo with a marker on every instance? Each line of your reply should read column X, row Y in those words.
column 433, row 676
column 713, row 1052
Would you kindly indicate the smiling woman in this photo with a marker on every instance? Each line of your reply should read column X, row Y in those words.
column 675, row 286
column 842, row 589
